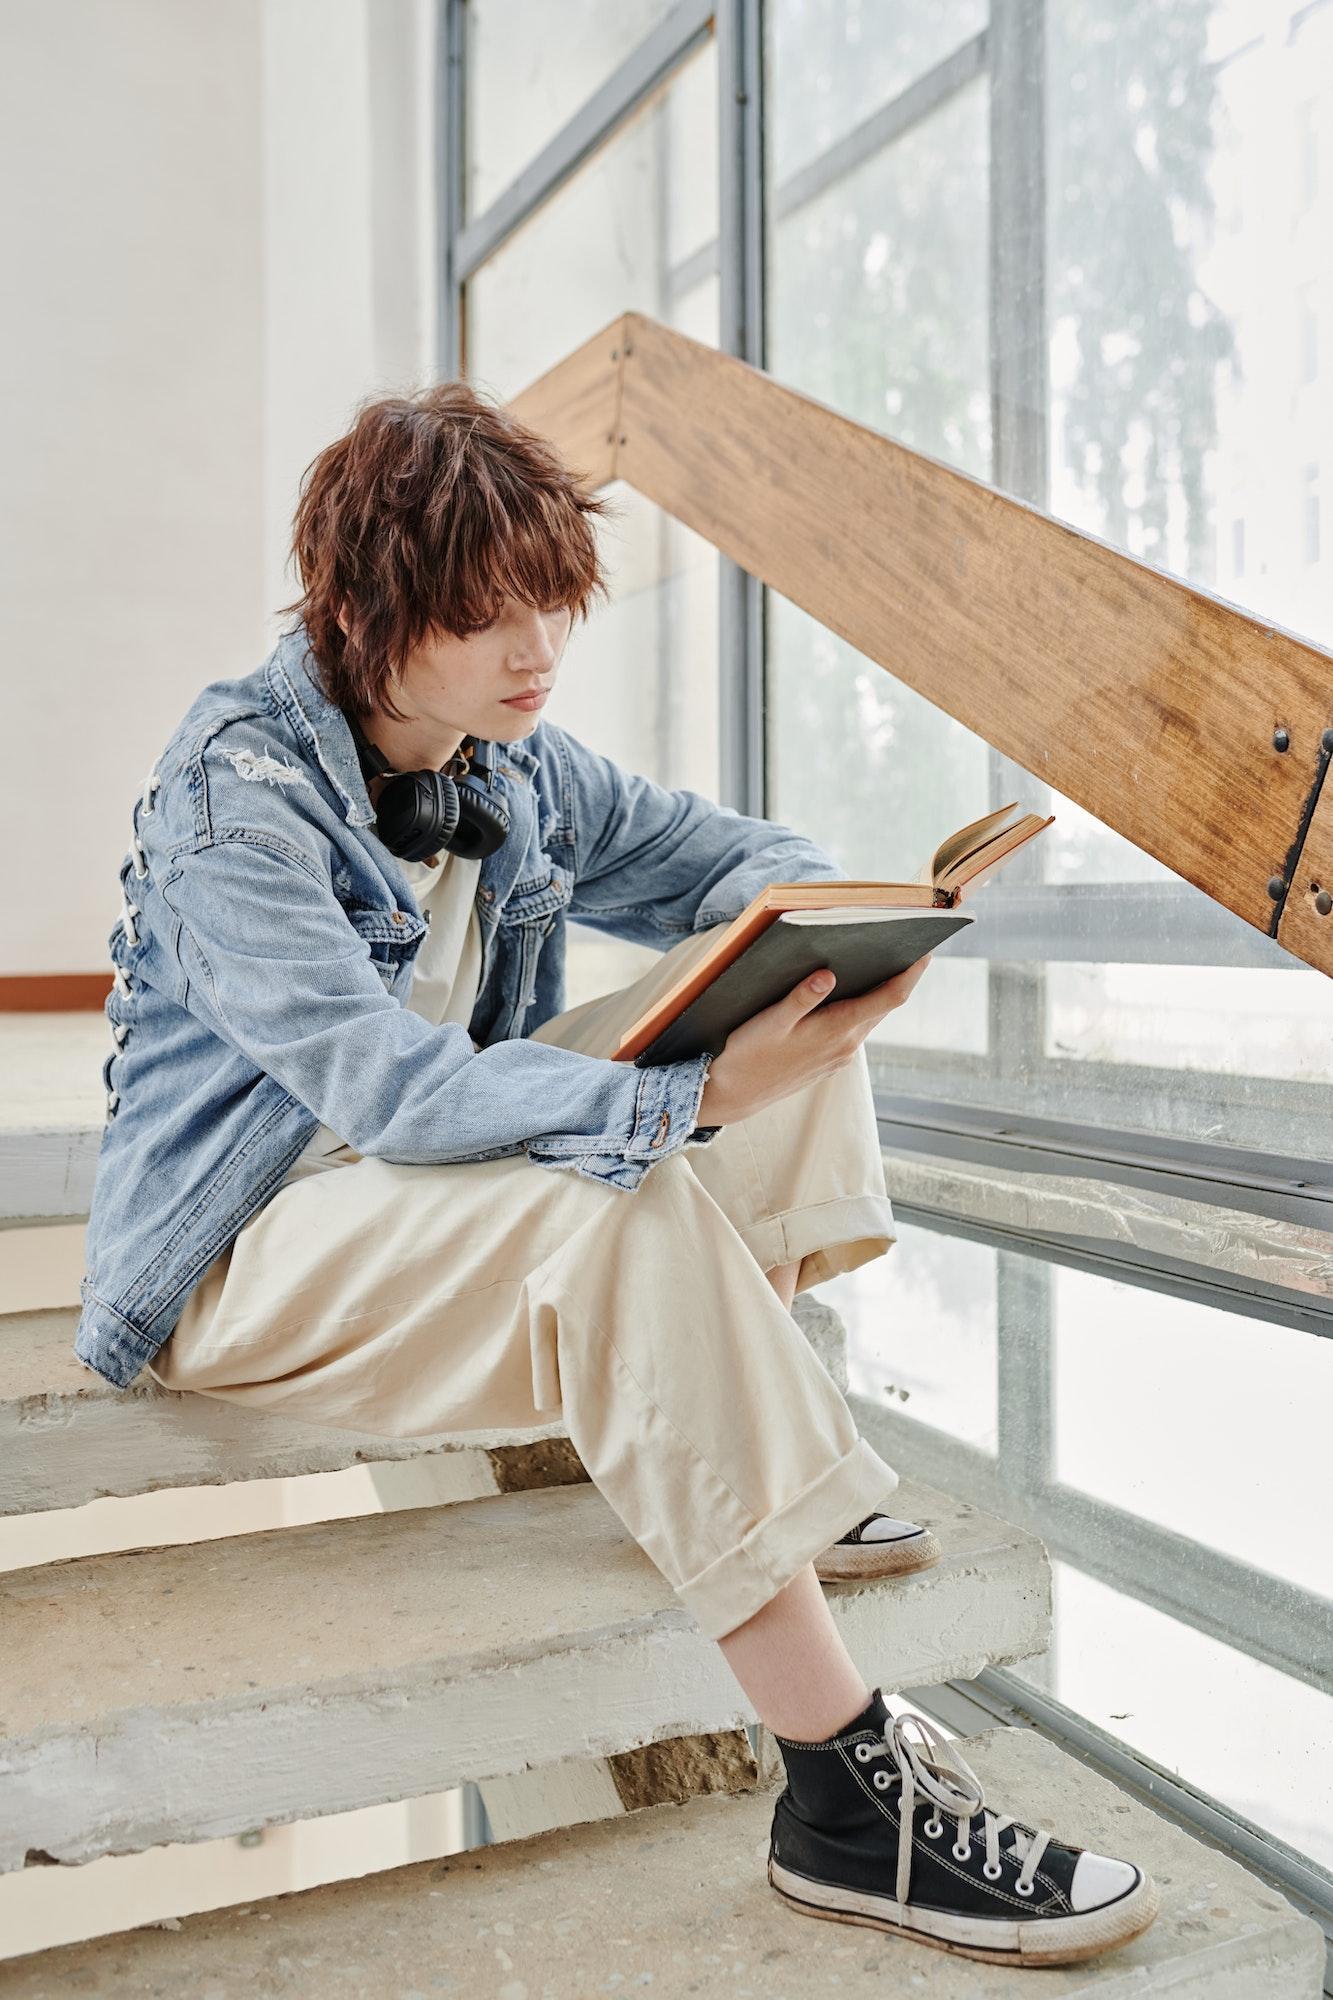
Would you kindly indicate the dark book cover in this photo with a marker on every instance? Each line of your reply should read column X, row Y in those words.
column 864, row 948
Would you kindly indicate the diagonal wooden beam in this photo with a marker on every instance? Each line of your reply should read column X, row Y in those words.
column 1151, row 704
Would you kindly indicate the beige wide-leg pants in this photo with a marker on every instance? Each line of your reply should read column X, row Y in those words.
column 469, row 1296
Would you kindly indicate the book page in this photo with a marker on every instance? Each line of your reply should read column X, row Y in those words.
column 819, row 918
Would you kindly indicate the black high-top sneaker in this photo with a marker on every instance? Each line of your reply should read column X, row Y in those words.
column 881, row 1545
column 1024, row 1899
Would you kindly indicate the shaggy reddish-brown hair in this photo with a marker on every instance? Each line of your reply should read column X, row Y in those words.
column 423, row 518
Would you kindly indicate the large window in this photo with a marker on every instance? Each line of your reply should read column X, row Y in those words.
column 1081, row 250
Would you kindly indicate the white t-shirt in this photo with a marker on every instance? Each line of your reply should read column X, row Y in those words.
column 446, row 973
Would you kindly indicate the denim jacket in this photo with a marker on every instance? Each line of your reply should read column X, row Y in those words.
column 264, row 953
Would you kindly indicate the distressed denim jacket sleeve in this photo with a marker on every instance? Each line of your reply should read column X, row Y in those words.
column 653, row 864
column 273, row 965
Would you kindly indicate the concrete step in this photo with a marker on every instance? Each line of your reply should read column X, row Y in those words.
column 196, row 1691
column 48, row 1168
column 67, row 1437
column 674, row 1901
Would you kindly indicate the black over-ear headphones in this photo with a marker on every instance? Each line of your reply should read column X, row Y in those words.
column 420, row 813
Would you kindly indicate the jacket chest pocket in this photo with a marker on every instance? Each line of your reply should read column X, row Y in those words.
column 393, row 937
column 538, row 897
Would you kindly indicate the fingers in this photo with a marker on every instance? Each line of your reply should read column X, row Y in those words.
column 881, row 999
column 811, row 991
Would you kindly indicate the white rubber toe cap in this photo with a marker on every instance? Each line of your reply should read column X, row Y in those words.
column 1098, row 1879
column 885, row 1528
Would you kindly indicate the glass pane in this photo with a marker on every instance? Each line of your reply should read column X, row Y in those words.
column 878, row 307
column 1187, row 1701
column 833, row 62
column 921, row 1331
column 878, row 286
column 1229, row 1020
column 530, row 67
column 606, row 243
column 1227, row 1445
column 1190, row 191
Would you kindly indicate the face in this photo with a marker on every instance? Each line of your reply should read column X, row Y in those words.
column 467, row 685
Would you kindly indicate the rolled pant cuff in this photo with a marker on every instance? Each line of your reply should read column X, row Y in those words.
column 823, row 1237
column 741, row 1582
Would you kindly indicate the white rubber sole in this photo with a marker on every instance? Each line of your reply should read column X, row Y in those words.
column 1032, row 1941
column 866, row 1559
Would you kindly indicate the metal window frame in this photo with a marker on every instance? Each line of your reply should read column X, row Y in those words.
column 1286, row 1188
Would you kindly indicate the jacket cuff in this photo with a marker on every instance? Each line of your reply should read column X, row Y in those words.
column 666, row 1106
column 667, row 1110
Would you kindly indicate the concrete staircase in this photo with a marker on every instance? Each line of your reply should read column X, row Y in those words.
column 675, row 1902
column 509, row 1633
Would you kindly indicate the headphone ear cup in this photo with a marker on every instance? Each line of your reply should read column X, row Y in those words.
column 482, row 826
column 418, row 814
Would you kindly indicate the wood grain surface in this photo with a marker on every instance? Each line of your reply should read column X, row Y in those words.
column 1146, row 701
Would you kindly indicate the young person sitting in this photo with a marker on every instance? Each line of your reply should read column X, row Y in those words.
column 363, row 1168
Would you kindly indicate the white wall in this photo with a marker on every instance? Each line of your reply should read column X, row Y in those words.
column 217, row 239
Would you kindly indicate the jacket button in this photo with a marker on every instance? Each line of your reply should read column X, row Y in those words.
column 398, row 917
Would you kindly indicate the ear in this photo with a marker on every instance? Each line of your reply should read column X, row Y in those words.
column 342, row 619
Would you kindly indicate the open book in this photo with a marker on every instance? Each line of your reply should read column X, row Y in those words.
column 866, row 931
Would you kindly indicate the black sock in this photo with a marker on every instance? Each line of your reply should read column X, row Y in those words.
column 873, row 1716
column 818, row 1787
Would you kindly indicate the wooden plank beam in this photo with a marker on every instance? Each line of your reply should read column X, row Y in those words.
column 1146, row 701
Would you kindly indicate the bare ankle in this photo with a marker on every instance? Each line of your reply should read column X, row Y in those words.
column 791, row 1661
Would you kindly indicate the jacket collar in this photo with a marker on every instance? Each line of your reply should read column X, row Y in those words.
column 290, row 675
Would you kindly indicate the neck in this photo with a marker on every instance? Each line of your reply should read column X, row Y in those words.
column 409, row 746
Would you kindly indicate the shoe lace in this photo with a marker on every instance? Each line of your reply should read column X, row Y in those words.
column 937, row 1772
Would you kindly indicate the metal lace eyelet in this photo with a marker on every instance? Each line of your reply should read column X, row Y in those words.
column 882, row 1780
column 991, row 1874
column 961, row 1853
column 864, row 1751
column 1025, row 1890
column 933, row 1827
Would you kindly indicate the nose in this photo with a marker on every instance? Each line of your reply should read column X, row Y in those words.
column 535, row 651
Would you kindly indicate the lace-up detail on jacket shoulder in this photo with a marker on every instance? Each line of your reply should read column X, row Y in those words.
column 934, row 1770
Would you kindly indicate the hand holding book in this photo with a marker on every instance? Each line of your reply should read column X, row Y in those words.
column 801, row 1037
column 871, row 934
